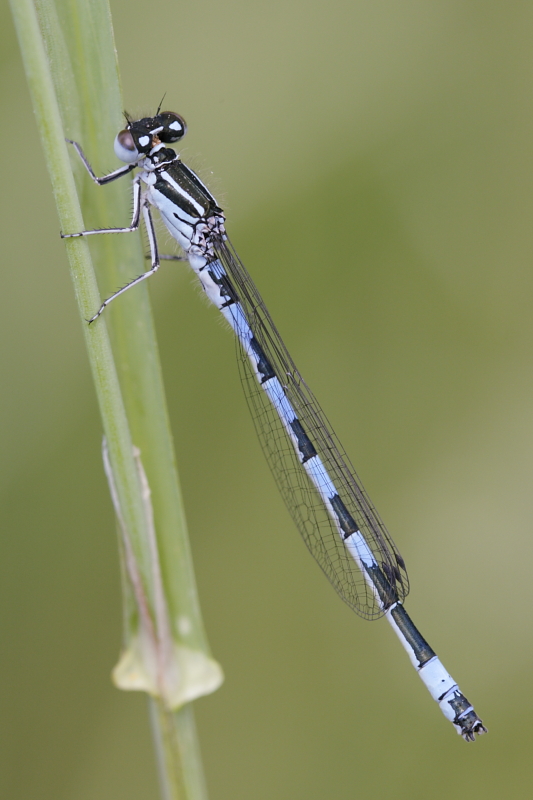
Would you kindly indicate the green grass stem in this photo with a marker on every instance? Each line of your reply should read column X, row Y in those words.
column 70, row 60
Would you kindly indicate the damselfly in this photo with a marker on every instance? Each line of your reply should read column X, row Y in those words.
column 328, row 503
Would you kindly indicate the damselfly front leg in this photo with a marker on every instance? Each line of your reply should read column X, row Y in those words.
column 111, row 176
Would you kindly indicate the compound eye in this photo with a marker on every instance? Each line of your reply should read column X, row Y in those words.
column 174, row 127
column 125, row 147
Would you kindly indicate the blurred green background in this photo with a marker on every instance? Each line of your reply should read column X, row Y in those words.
column 374, row 160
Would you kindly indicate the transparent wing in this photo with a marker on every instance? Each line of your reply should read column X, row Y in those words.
column 304, row 502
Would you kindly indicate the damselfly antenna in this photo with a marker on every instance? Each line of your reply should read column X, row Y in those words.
column 160, row 104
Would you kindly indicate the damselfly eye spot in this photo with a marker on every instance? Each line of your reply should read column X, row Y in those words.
column 174, row 126
column 125, row 148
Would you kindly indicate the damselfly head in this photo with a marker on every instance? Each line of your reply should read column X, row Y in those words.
column 138, row 138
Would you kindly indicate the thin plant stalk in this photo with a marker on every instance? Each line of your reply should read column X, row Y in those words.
column 70, row 60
